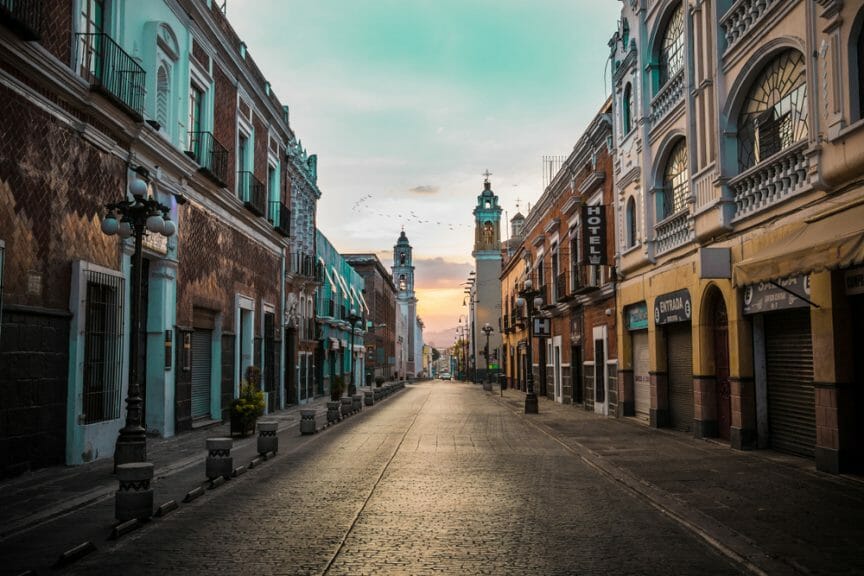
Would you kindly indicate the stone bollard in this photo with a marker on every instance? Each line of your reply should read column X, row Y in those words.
column 369, row 398
column 333, row 412
column 345, row 406
column 356, row 402
column 268, row 441
column 134, row 497
column 307, row 422
column 219, row 459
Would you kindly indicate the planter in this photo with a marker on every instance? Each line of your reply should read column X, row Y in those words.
column 333, row 412
column 241, row 426
column 134, row 496
column 356, row 402
column 345, row 406
column 219, row 459
column 307, row 422
column 268, row 441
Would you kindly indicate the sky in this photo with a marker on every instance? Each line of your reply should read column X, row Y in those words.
column 408, row 102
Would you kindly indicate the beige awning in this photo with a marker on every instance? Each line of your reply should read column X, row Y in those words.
column 813, row 245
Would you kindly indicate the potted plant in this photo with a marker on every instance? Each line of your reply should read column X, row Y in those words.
column 379, row 380
column 336, row 388
column 246, row 408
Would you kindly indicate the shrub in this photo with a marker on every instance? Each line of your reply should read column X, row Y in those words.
column 336, row 388
column 247, row 407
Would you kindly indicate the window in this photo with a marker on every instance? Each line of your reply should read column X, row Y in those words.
column 162, row 96
column 103, row 337
column 541, row 275
column 631, row 222
column 2, row 257
column 859, row 52
column 196, row 118
column 91, row 25
column 774, row 115
column 627, row 109
column 557, row 290
column 671, row 56
column 403, row 285
column 574, row 258
column 676, row 183
column 402, row 259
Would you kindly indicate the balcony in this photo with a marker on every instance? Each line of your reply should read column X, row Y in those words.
column 210, row 155
column 673, row 231
column 280, row 217
column 669, row 96
column 302, row 265
column 742, row 17
column 252, row 193
column 112, row 72
column 24, row 17
column 583, row 280
column 771, row 181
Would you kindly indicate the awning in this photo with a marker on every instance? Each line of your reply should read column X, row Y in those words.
column 812, row 245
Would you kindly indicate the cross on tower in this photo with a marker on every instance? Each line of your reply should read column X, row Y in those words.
column 486, row 174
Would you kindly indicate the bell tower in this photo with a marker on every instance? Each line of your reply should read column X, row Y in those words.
column 487, row 292
column 406, row 307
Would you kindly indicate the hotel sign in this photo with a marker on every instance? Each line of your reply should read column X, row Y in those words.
column 672, row 307
column 594, row 234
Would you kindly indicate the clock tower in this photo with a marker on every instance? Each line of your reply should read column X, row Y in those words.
column 486, row 293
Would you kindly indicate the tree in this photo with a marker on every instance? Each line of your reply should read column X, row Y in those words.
column 435, row 354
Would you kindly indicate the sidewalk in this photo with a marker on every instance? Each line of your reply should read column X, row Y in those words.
column 52, row 510
column 771, row 513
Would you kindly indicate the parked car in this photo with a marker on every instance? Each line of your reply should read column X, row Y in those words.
column 444, row 376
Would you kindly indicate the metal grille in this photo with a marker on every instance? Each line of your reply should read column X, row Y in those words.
column 680, row 358
column 103, row 337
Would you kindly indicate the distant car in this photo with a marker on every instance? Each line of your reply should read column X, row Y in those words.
column 444, row 376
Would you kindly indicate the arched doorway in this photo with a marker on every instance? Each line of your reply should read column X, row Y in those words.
column 720, row 337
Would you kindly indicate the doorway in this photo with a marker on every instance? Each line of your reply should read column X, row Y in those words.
column 720, row 333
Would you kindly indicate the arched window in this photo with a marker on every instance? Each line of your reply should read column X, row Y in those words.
column 676, row 183
column 163, row 83
column 402, row 258
column 627, row 109
column 774, row 115
column 671, row 56
column 402, row 283
column 631, row 222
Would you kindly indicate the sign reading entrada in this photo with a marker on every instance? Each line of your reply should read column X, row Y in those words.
column 672, row 307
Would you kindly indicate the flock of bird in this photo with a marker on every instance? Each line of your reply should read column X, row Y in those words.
column 365, row 204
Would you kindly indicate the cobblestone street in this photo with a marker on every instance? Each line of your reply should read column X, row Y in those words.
column 441, row 480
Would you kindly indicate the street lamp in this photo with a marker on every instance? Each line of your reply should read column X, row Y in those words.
column 487, row 329
column 138, row 217
column 353, row 317
column 531, row 300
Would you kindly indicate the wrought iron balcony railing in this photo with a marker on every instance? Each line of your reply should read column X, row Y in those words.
column 561, row 286
column 210, row 155
column 280, row 217
column 113, row 72
column 24, row 17
column 252, row 192
column 302, row 265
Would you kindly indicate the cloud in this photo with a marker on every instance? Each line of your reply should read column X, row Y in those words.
column 425, row 189
column 440, row 274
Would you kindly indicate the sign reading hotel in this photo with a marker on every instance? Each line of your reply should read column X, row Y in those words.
column 672, row 307
column 785, row 295
column 594, row 234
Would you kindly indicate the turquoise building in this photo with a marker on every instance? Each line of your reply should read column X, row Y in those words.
column 341, row 292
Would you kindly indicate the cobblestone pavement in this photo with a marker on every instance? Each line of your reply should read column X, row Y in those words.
column 438, row 480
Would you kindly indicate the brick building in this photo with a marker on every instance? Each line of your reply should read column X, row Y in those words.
column 96, row 95
column 381, row 297
column 569, row 258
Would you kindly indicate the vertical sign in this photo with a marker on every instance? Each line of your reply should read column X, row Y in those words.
column 594, row 234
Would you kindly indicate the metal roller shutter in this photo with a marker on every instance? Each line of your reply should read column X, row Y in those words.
column 789, row 372
column 641, row 377
column 201, row 356
column 680, row 357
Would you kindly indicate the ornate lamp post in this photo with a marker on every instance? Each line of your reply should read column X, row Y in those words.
column 353, row 317
column 531, row 300
column 487, row 329
column 139, row 216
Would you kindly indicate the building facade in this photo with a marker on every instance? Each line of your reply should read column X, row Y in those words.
column 380, row 294
column 104, row 97
column 739, row 212
column 567, row 247
column 340, row 344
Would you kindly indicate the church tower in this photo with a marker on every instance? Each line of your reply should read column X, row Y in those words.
column 406, row 308
column 486, row 295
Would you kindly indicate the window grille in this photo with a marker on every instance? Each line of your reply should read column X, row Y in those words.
column 672, row 47
column 103, row 338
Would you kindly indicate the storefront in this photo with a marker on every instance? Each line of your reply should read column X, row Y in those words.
column 636, row 322
column 672, row 313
